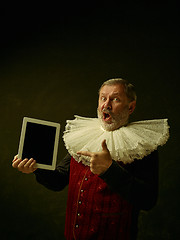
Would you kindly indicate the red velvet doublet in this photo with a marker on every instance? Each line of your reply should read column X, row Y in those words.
column 93, row 210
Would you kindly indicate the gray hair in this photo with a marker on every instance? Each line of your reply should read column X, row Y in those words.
column 128, row 87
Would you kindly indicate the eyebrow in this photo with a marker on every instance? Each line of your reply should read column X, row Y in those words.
column 114, row 94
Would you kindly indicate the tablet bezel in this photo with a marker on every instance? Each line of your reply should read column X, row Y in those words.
column 56, row 142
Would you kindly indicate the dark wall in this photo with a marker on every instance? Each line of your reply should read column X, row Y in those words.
column 52, row 62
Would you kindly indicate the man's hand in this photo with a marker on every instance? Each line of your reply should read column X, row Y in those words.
column 24, row 166
column 100, row 161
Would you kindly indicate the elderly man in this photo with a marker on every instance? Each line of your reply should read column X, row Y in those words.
column 111, row 167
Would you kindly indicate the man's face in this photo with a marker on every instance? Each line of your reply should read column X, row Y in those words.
column 114, row 107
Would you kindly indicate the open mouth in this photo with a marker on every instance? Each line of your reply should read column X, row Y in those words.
column 106, row 116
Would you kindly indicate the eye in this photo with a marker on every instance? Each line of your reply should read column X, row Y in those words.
column 116, row 99
column 103, row 98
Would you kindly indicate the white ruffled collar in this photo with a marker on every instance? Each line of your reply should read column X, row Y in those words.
column 134, row 141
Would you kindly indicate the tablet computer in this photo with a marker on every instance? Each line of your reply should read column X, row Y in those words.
column 39, row 140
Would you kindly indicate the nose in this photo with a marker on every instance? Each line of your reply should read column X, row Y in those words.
column 107, row 104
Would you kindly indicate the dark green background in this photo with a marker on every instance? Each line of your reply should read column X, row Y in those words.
column 53, row 59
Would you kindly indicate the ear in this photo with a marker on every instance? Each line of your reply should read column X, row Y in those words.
column 132, row 106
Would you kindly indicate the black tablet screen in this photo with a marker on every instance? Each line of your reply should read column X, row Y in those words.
column 39, row 143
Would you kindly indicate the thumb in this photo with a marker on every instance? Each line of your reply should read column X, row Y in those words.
column 104, row 145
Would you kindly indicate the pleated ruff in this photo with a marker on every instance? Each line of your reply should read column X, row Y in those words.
column 134, row 141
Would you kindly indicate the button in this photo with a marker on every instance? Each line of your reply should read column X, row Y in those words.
column 82, row 190
column 86, row 179
column 80, row 202
column 79, row 214
column 77, row 226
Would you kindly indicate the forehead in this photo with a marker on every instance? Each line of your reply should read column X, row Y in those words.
column 117, row 89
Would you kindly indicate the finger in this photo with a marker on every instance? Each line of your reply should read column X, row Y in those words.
column 32, row 166
column 22, row 163
column 104, row 146
column 15, row 158
column 28, row 163
column 16, row 163
column 85, row 153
